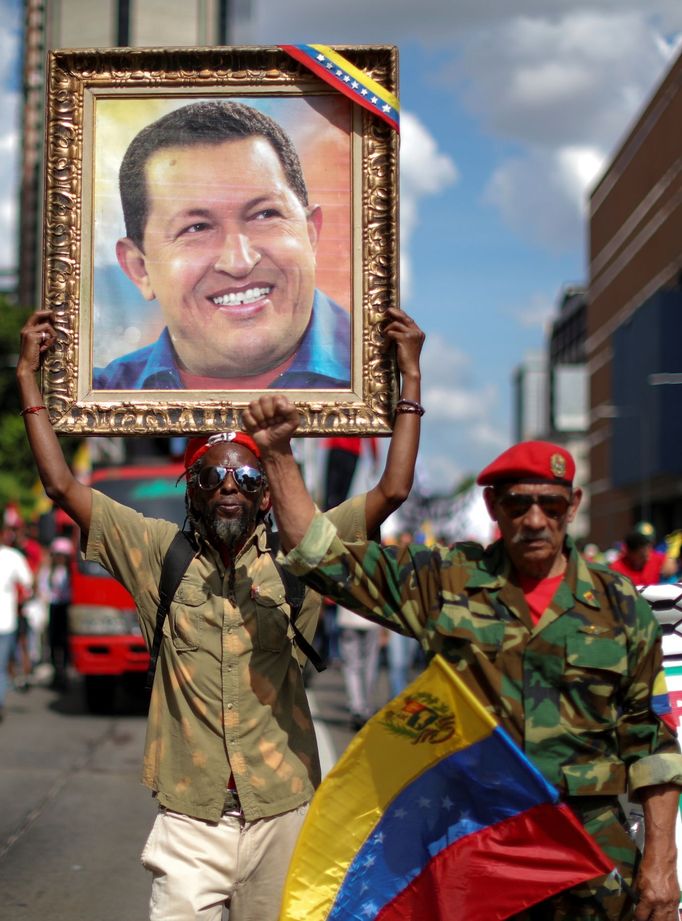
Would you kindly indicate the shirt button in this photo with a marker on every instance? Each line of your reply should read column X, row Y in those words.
column 229, row 706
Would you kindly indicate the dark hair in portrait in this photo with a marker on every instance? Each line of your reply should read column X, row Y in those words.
column 199, row 123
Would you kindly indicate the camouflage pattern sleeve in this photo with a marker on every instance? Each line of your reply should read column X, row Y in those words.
column 647, row 742
column 399, row 592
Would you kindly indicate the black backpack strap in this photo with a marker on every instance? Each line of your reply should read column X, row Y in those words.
column 294, row 592
column 178, row 557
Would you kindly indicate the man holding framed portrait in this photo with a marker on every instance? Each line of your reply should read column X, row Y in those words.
column 230, row 754
column 220, row 231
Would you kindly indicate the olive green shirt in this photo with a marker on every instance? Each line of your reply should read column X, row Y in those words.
column 228, row 694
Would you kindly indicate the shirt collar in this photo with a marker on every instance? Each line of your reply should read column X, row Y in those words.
column 160, row 369
column 325, row 346
column 494, row 569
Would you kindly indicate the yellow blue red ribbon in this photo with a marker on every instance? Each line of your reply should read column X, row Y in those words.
column 338, row 71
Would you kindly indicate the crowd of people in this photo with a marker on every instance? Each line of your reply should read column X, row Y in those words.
column 35, row 580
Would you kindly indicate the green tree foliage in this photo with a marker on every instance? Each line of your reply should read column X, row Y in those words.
column 18, row 477
column 17, row 471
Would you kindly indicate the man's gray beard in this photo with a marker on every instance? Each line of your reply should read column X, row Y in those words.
column 231, row 532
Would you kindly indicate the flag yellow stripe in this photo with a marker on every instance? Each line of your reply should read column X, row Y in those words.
column 359, row 75
column 375, row 768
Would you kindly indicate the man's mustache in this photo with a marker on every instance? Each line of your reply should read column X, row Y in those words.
column 523, row 536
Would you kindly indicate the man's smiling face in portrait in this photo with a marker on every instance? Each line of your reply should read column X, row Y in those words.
column 229, row 253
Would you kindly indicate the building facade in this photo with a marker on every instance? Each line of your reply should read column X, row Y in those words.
column 634, row 325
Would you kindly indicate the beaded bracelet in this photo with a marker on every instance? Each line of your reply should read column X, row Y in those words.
column 409, row 406
column 31, row 409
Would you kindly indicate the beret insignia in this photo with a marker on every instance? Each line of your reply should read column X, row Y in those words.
column 557, row 464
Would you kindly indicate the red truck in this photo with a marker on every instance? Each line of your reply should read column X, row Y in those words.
column 105, row 641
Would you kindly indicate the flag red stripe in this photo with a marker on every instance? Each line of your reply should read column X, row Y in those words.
column 500, row 870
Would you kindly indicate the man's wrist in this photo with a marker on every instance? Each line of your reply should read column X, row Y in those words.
column 276, row 455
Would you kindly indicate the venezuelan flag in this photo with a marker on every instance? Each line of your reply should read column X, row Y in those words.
column 433, row 812
column 337, row 71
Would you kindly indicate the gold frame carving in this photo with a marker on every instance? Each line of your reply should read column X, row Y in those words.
column 75, row 79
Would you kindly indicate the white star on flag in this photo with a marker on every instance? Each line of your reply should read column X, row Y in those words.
column 374, row 99
column 346, row 79
column 370, row 909
column 400, row 813
column 387, row 108
column 447, row 803
column 329, row 65
column 369, row 861
column 320, row 57
column 424, row 803
column 363, row 91
column 355, row 84
column 338, row 73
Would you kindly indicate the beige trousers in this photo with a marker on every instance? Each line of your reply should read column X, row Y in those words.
column 199, row 866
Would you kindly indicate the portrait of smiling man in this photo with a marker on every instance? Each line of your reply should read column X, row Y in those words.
column 221, row 233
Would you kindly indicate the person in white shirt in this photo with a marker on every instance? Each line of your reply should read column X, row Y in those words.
column 359, row 641
column 16, row 584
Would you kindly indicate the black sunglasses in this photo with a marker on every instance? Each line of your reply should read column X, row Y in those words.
column 248, row 479
column 517, row 504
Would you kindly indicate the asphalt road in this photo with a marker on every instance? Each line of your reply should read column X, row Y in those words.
column 73, row 814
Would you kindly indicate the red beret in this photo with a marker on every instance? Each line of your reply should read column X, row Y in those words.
column 535, row 461
column 197, row 447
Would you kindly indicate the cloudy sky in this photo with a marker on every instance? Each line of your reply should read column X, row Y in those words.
column 510, row 111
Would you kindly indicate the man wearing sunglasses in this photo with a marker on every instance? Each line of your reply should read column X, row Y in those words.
column 565, row 655
column 230, row 752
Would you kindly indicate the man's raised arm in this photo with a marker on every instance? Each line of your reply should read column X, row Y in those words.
column 60, row 484
column 272, row 421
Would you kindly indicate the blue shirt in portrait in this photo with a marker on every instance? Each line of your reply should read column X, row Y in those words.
column 322, row 359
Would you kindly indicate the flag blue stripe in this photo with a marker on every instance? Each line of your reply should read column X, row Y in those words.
column 472, row 789
column 660, row 704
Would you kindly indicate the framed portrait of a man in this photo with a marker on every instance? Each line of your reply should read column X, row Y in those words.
column 218, row 223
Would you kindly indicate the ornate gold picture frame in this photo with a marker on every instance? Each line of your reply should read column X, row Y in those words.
column 190, row 271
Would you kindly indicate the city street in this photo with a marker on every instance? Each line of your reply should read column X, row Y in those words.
column 73, row 814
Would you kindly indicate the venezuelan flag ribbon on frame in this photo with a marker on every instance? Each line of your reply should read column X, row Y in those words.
column 433, row 812
column 336, row 70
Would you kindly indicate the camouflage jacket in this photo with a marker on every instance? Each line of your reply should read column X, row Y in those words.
column 574, row 691
column 228, row 694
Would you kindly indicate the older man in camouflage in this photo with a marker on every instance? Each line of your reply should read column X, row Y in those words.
column 566, row 655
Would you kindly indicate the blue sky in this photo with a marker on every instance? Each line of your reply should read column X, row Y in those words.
column 510, row 111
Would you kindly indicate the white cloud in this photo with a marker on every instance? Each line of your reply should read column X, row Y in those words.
column 457, row 427
column 553, row 81
column 424, row 170
column 536, row 312
column 562, row 88
column 433, row 22
column 542, row 195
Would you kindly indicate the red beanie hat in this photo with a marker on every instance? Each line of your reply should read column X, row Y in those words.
column 197, row 447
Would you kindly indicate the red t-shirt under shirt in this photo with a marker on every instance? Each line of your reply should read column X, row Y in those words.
column 538, row 593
